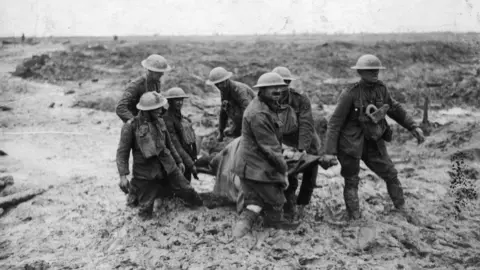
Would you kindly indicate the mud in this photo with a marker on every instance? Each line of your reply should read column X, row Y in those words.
column 81, row 221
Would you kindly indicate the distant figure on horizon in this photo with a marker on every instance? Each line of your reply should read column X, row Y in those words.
column 155, row 66
column 23, row 37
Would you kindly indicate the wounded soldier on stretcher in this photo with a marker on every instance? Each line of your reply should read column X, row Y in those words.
column 227, row 190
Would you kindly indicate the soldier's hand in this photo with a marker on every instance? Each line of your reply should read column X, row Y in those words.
column 285, row 183
column 181, row 166
column 327, row 161
column 288, row 153
column 228, row 132
column 124, row 184
column 194, row 172
column 418, row 134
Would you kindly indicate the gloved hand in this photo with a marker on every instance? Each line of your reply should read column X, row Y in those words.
column 292, row 154
column 285, row 184
column 418, row 134
column 194, row 172
column 228, row 132
column 124, row 184
column 220, row 137
column 181, row 167
column 288, row 153
column 327, row 161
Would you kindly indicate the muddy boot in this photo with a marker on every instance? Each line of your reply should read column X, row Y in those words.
column 212, row 200
column 350, row 195
column 275, row 219
column 190, row 197
column 132, row 200
column 244, row 223
column 145, row 212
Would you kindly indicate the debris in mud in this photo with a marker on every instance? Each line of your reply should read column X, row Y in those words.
column 19, row 197
column 5, row 181
column 37, row 265
column 69, row 92
column 2, row 153
column 462, row 184
column 5, row 108
column 51, row 105
column 30, row 66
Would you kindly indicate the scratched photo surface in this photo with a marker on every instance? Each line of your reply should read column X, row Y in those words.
column 72, row 73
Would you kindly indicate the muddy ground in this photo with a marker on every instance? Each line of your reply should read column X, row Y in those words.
column 61, row 135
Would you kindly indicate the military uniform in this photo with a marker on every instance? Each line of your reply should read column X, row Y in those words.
column 126, row 109
column 303, row 137
column 235, row 100
column 346, row 138
column 155, row 171
column 260, row 164
column 183, row 138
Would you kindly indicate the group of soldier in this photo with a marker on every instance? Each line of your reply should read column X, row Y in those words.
column 162, row 141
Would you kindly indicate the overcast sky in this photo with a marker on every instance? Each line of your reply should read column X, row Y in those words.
column 205, row 17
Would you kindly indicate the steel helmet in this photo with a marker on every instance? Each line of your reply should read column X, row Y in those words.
column 284, row 72
column 270, row 79
column 175, row 92
column 156, row 63
column 151, row 101
column 218, row 74
column 368, row 61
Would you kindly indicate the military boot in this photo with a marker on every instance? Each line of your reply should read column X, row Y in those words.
column 132, row 200
column 245, row 223
column 350, row 195
column 145, row 212
column 275, row 219
column 190, row 197
column 289, row 208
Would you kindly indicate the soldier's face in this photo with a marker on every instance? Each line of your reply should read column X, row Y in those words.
column 284, row 92
column 272, row 92
column 287, row 82
column 369, row 75
column 158, row 112
column 221, row 85
column 176, row 103
column 155, row 76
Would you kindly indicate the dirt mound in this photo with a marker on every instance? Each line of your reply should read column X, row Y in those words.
column 410, row 65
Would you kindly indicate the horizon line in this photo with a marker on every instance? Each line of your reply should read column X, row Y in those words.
column 254, row 35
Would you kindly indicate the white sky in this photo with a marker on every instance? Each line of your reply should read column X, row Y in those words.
column 205, row 17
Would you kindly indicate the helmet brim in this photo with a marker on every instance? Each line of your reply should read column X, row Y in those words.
column 153, row 107
column 181, row 96
column 363, row 68
column 228, row 76
column 268, row 84
column 145, row 65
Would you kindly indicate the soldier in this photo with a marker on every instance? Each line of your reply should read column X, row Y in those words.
column 303, row 138
column 354, row 133
column 155, row 66
column 260, row 164
column 157, row 168
column 181, row 131
column 235, row 97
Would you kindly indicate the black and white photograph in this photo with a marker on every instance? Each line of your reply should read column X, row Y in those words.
column 229, row 134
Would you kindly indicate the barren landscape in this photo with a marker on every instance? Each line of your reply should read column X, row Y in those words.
column 59, row 134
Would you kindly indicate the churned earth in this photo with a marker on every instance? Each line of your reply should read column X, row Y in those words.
column 62, row 136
